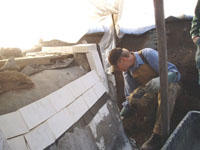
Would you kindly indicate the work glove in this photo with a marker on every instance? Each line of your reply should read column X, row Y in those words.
column 153, row 85
column 136, row 95
column 126, row 111
column 128, row 107
column 139, row 93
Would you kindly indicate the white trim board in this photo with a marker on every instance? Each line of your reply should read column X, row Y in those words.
column 92, row 56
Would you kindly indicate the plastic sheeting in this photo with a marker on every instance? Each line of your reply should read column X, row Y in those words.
column 137, row 17
column 107, row 43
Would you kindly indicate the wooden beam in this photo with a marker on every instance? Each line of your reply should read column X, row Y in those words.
column 23, row 61
column 163, row 69
column 114, row 30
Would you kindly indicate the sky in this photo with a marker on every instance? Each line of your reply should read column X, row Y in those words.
column 24, row 22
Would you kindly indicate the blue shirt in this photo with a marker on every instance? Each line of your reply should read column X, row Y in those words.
column 151, row 56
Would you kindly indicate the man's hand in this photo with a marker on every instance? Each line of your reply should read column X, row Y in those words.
column 126, row 111
column 195, row 39
column 136, row 95
column 153, row 85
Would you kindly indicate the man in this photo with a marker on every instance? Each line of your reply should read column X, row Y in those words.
column 142, row 83
column 195, row 33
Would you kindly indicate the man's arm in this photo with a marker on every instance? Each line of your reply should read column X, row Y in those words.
column 194, row 32
column 130, row 83
column 151, row 56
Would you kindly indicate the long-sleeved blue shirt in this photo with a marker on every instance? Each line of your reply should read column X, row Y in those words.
column 151, row 56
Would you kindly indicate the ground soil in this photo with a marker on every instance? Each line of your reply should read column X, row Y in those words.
column 181, row 52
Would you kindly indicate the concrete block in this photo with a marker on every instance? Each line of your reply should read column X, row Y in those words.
column 60, row 122
column 64, row 49
column 3, row 142
column 92, row 62
column 95, row 75
column 18, row 143
column 99, row 89
column 73, row 111
column 84, row 48
column 77, row 87
column 40, row 137
column 89, row 79
column 61, row 98
column 77, row 109
column 83, row 106
column 96, row 64
column 12, row 124
column 37, row 112
column 90, row 97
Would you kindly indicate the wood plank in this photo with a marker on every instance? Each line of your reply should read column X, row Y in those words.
column 62, row 49
column 23, row 61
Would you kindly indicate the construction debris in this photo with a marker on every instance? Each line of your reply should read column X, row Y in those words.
column 15, row 72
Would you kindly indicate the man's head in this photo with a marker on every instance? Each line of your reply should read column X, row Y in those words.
column 120, row 59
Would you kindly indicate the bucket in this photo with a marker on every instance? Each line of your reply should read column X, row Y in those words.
column 186, row 136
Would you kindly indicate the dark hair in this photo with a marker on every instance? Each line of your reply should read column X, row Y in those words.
column 116, row 53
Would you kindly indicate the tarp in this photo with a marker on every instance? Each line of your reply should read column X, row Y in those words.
column 137, row 16
column 25, row 22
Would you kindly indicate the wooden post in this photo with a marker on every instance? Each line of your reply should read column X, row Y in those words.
column 163, row 67
column 114, row 29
